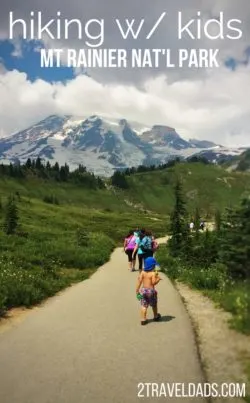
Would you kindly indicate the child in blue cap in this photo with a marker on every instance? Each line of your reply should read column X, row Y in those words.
column 148, row 295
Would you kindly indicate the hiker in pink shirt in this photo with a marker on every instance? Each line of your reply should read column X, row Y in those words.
column 129, row 246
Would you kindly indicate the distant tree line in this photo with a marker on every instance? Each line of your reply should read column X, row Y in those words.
column 37, row 168
column 119, row 179
column 160, row 167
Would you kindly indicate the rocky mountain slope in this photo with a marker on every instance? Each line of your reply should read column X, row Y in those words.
column 100, row 144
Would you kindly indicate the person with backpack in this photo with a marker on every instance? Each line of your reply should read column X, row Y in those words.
column 154, row 244
column 148, row 245
column 137, row 232
column 129, row 246
column 143, row 247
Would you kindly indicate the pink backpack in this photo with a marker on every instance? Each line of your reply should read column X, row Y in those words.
column 155, row 245
column 131, row 242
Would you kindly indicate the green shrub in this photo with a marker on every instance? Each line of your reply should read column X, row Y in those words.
column 237, row 301
column 11, row 216
column 214, row 281
column 82, row 237
column 2, row 302
column 169, row 264
column 24, row 287
column 204, row 278
column 33, row 272
column 51, row 199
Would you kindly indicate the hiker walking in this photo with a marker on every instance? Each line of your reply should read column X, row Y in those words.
column 137, row 232
column 143, row 247
column 154, row 243
column 129, row 246
column 137, row 250
column 202, row 225
column 191, row 226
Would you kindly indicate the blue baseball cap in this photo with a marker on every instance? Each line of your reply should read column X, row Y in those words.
column 149, row 263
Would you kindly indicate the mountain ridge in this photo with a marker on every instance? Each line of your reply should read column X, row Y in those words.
column 101, row 144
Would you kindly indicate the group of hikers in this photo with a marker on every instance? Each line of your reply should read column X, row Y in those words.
column 139, row 243
column 142, row 243
column 201, row 226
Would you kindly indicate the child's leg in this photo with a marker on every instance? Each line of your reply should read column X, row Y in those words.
column 144, row 307
column 134, row 263
column 140, row 257
column 144, row 313
column 155, row 310
column 130, row 265
column 154, row 304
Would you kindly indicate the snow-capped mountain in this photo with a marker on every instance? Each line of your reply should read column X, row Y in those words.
column 98, row 143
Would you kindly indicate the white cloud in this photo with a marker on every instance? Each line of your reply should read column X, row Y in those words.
column 2, row 67
column 23, row 103
column 215, row 107
column 18, row 51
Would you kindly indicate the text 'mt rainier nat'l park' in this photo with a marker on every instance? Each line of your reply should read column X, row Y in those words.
column 125, row 201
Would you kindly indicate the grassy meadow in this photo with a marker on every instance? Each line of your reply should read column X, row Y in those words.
column 208, row 187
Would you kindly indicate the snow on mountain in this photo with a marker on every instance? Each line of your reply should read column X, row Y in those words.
column 203, row 144
column 221, row 154
column 101, row 144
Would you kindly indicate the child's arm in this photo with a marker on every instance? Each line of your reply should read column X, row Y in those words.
column 139, row 282
column 135, row 250
column 155, row 279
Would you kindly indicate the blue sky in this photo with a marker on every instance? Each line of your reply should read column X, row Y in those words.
column 233, row 63
column 29, row 62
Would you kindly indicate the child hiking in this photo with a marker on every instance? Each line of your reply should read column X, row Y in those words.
column 148, row 279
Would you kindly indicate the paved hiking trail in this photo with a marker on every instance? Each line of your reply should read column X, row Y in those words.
column 87, row 345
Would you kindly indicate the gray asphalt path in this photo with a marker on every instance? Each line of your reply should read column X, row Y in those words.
column 87, row 345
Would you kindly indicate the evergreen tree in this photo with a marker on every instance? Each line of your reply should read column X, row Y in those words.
column 235, row 241
column 11, row 170
column 119, row 180
column 66, row 167
column 2, row 169
column 218, row 221
column 56, row 167
column 38, row 164
column 197, row 220
column 28, row 163
column 178, row 224
column 63, row 174
column 11, row 217
column 210, row 243
column 81, row 169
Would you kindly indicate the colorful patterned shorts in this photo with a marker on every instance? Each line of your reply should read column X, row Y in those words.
column 149, row 297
